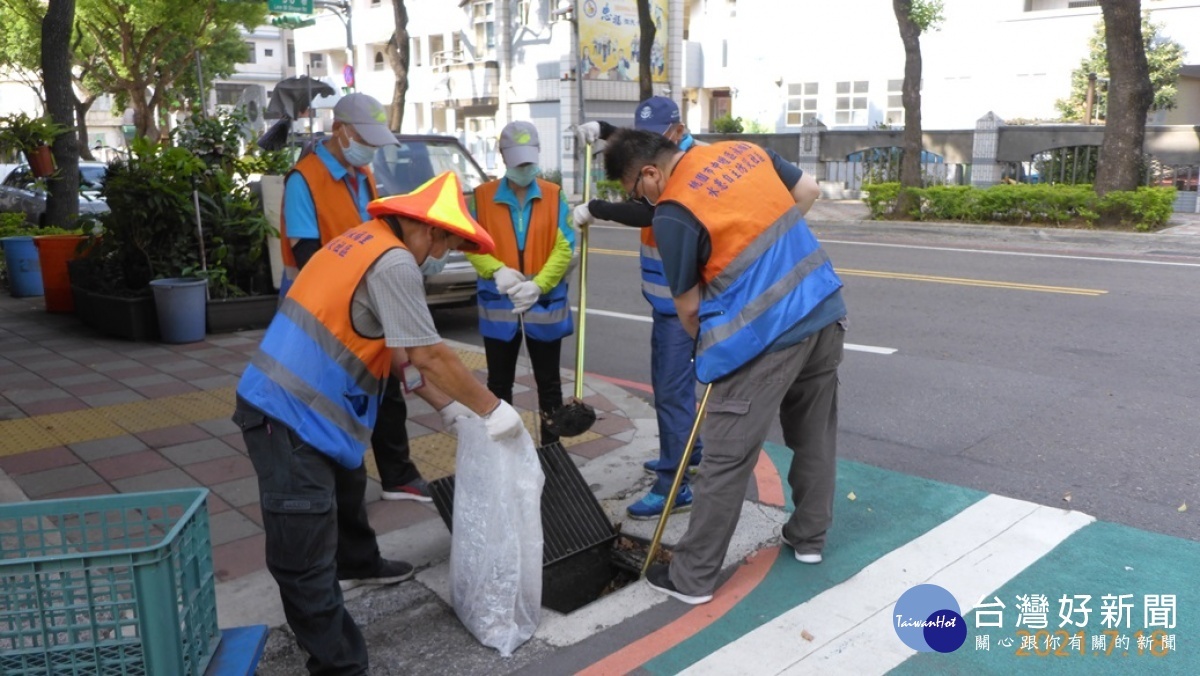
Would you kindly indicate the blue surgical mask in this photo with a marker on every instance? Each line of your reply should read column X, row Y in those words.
column 686, row 142
column 522, row 175
column 358, row 154
column 432, row 265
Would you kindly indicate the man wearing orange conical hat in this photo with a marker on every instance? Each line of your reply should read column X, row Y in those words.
column 309, row 398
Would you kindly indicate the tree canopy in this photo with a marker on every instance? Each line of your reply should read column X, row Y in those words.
column 1164, row 56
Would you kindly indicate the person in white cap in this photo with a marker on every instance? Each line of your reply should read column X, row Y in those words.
column 326, row 194
column 521, row 287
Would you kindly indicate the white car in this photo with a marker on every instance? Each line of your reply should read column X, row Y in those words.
column 21, row 192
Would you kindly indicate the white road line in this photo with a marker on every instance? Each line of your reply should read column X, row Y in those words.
column 1012, row 253
column 641, row 318
column 971, row 555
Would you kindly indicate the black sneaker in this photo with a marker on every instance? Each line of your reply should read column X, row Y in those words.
column 388, row 572
column 417, row 490
column 659, row 579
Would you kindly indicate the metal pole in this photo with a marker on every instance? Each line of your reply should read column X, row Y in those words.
column 579, row 77
column 583, row 268
column 683, row 467
column 200, row 86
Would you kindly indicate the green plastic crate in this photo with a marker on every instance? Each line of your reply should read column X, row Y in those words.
column 117, row 584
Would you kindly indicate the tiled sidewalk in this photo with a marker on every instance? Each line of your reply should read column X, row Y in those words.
column 82, row 414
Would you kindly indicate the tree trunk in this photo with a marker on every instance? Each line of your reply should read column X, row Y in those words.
column 81, row 111
column 62, row 205
column 1129, row 97
column 645, row 47
column 143, row 116
column 398, row 56
column 910, row 156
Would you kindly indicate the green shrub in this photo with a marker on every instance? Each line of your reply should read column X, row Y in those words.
column 609, row 190
column 728, row 125
column 1143, row 209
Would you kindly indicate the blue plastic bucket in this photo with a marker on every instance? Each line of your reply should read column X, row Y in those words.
column 24, row 270
column 180, row 303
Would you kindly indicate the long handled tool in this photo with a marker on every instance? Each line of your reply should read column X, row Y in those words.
column 576, row 417
column 683, row 467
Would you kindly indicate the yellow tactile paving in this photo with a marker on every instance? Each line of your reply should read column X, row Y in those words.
column 139, row 416
column 76, row 426
column 474, row 361
column 24, row 434
column 203, row 405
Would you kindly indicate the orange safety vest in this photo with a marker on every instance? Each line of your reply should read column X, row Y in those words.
column 334, row 202
column 766, row 271
column 540, row 235
column 314, row 372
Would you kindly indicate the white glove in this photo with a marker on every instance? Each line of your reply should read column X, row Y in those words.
column 524, row 295
column 588, row 132
column 506, row 279
column 503, row 422
column 582, row 215
column 451, row 413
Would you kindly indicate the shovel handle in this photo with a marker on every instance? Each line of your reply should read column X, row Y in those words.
column 583, row 266
column 683, row 467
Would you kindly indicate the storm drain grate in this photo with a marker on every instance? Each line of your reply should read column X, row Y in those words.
column 572, row 519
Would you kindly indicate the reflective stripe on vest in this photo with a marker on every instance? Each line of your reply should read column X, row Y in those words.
column 766, row 271
column 550, row 317
column 334, row 203
column 655, row 287
column 314, row 372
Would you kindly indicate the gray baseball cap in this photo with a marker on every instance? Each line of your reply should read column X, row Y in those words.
column 519, row 143
column 368, row 118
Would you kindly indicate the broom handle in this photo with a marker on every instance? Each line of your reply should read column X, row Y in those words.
column 583, row 266
column 683, row 467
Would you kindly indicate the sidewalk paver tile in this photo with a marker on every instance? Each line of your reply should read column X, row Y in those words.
column 23, row 395
column 230, row 525
column 76, row 426
column 220, row 470
column 67, row 369
column 161, row 480
column 94, row 387
column 219, row 427
column 216, row 504
column 17, row 379
column 197, row 406
column 594, row 448
column 167, row 438
column 116, row 365
column 239, row 492
column 37, row 461
column 386, row 516
column 126, row 376
column 39, row 484
column 215, row 382
column 254, row 513
column 599, row 402
column 611, row 424
column 114, row 398
column 165, row 389
column 193, row 452
column 130, row 464
column 240, row 557
column 88, row 376
column 236, row 440
column 99, row 449
column 24, row 434
column 140, row 416
column 193, row 375
column 153, row 378
column 61, row 405
column 81, row 492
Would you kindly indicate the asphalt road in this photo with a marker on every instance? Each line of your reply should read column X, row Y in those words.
column 1061, row 372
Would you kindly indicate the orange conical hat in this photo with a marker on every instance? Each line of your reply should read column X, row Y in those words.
column 439, row 202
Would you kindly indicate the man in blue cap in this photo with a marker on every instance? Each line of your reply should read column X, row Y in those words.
column 671, row 371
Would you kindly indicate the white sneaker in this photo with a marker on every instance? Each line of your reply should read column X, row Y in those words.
column 811, row 558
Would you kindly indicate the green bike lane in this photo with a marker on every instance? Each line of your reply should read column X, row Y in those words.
column 893, row 532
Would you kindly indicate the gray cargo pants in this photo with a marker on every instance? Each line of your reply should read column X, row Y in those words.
column 799, row 384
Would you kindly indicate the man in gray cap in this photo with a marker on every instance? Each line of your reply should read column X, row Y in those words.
column 522, row 287
column 326, row 194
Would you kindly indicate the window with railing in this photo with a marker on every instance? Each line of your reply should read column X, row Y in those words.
column 380, row 62
column 251, row 53
column 895, row 103
column 483, row 18
column 802, row 103
column 414, row 52
column 851, row 103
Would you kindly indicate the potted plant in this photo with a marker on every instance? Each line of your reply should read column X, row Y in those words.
column 31, row 136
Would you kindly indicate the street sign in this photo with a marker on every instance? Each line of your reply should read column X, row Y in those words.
column 348, row 75
column 291, row 22
column 293, row 6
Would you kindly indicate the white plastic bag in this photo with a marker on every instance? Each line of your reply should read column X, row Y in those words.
column 496, row 548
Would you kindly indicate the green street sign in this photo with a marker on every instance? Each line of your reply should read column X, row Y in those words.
column 293, row 6
column 291, row 22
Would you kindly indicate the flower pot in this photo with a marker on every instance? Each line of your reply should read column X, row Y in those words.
column 41, row 161
column 132, row 318
column 241, row 314
column 180, row 302
column 54, row 252
column 272, row 201
column 24, row 270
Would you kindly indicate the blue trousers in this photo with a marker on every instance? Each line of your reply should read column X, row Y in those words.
column 674, row 381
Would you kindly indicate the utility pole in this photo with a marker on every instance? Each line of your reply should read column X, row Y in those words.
column 341, row 9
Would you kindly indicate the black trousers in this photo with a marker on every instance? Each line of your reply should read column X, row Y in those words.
column 543, row 356
column 389, row 439
column 316, row 532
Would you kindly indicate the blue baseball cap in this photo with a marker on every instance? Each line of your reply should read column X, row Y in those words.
column 656, row 114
